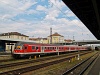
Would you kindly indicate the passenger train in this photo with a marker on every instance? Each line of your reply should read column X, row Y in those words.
column 23, row 49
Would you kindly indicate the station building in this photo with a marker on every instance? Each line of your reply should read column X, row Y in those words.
column 8, row 40
column 7, row 46
column 54, row 38
column 14, row 35
column 39, row 40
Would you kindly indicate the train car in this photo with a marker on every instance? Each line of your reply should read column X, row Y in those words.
column 23, row 49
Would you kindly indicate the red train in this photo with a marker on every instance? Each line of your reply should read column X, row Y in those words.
column 27, row 49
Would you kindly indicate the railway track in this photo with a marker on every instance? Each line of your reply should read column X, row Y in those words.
column 27, row 69
column 80, row 68
column 34, row 61
column 7, row 59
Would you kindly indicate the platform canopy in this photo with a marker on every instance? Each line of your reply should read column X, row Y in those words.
column 88, row 11
column 10, row 40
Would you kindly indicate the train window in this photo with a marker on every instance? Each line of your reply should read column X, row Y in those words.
column 45, row 48
column 25, row 47
column 52, row 47
column 36, row 48
column 33, row 47
column 67, row 48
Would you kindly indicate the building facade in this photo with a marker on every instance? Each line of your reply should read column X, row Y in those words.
column 51, row 39
column 54, row 38
column 39, row 40
column 13, row 35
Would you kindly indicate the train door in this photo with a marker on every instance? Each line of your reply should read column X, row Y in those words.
column 57, row 50
column 69, row 48
column 42, row 49
column 25, row 48
column 37, row 49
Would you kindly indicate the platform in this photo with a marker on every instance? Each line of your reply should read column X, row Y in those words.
column 95, row 70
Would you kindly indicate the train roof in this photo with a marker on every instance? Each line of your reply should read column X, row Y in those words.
column 41, row 44
column 38, row 44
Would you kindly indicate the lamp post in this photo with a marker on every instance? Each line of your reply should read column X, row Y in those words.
column 50, row 35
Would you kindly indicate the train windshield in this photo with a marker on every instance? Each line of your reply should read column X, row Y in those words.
column 18, row 45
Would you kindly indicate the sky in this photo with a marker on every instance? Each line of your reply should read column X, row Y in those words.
column 34, row 18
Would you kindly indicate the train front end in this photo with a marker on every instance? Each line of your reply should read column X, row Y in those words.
column 18, row 50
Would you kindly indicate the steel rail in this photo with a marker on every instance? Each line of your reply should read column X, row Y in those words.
column 73, row 68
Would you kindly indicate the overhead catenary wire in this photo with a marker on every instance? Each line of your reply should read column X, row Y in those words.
column 26, row 12
column 66, row 15
column 40, row 21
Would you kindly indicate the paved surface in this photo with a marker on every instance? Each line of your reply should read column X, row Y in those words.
column 95, row 70
column 5, row 54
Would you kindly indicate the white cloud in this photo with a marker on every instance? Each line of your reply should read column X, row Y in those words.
column 64, row 26
column 11, row 8
column 40, row 8
column 53, row 14
column 57, row 3
column 27, row 5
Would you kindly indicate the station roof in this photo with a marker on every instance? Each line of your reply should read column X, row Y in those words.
column 83, row 42
column 88, row 11
column 13, row 33
column 10, row 40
